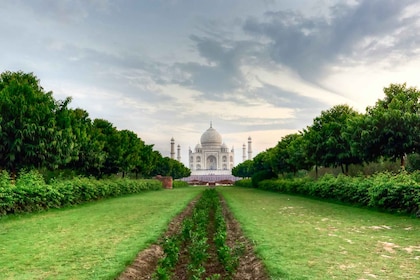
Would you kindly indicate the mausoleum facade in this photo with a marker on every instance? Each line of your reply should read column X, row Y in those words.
column 211, row 155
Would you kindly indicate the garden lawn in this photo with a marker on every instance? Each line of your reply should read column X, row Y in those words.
column 301, row 238
column 92, row 241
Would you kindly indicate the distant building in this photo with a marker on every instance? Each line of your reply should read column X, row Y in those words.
column 211, row 156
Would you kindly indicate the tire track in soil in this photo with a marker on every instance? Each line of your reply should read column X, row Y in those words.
column 250, row 267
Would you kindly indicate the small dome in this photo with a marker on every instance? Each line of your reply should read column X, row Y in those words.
column 224, row 146
column 211, row 137
column 198, row 146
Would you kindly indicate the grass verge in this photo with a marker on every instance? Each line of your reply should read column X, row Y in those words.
column 301, row 238
column 91, row 241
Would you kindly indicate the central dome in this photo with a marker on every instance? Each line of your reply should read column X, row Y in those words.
column 211, row 137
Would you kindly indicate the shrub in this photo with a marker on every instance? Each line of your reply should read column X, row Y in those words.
column 391, row 192
column 246, row 183
column 180, row 184
column 31, row 193
column 262, row 175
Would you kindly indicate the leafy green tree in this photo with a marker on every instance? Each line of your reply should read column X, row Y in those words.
column 31, row 135
column 148, row 161
column 392, row 126
column 109, row 135
column 91, row 155
column 166, row 166
column 327, row 143
column 131, row 147
column 68, row 139
column 288, row 156
column 262, row 161
column 244, row 169
column 178, row 169
column 413, row 162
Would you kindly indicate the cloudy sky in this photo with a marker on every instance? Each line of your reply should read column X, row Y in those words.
column 166, row 68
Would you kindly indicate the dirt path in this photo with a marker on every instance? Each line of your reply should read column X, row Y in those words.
column 250, row 267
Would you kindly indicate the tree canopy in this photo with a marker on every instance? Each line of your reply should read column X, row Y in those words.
column 37, row 131
column 342, row 136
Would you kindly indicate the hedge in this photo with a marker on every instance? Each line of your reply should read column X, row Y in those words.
column 30, row 192
column 385, row 191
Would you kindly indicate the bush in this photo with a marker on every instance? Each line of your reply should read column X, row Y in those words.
column 31, row 193
column 261, row 176
column 391, row 192
column 246, row 183
column 180, row 184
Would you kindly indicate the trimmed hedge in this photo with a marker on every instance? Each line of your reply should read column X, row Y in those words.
column 386, row 191
column 179, row 184
column 30, row 192
column 245, row 183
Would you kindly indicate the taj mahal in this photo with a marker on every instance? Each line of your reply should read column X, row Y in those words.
column 211, row 156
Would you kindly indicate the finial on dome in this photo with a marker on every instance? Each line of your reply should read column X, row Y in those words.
column 211, row 124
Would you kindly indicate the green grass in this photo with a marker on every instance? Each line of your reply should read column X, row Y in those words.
column 91, row 241
column 301, row 238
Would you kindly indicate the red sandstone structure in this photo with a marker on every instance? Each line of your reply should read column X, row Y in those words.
column 167, row 181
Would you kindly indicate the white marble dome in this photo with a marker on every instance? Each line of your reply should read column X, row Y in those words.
column 211, row 137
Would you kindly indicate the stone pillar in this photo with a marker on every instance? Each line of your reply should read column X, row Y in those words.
column 249, row 148
column 172, row 148
column 243, row 152
column 179, row 153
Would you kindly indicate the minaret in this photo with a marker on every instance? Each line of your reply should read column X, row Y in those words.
column 178, row 157
column 249, row 148
column 172, row 148
column 243, row 152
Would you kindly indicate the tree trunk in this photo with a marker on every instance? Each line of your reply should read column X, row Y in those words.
column 402, row 162
column 342, row 169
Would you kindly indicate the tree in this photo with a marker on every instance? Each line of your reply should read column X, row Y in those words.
column 326, row 140
column 91, row 155
column 289, row 154
column 112, row 149
column 392, row 126
column 131, row 147
column 166, row 166
column 244, row 169
column 147, row 162
column 31, row 133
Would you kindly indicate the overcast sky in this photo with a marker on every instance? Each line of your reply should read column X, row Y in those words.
column 165, row 69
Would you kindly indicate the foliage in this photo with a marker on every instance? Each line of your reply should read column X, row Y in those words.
column 244, row 169
column 262, row 175
column 91, row 241
column 326, row 141
column 166, row 166
column 31, row 193
column 246, row 183
column 32, row 130
column 179, row 184
column 392, row 126
column 413, row 162
column 289, row 155
column 194, row 236
column 341, row 137
column 304, row 238
column 39, row 132
column 390, row 192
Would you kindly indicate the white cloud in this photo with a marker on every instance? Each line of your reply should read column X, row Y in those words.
column 256, row 68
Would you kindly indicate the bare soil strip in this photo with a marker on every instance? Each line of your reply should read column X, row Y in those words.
column 250, row 267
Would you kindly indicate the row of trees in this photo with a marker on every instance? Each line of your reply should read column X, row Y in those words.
column 37, row 131
column 342, row 136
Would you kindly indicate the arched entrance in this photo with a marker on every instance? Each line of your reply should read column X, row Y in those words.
column 211, row 163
